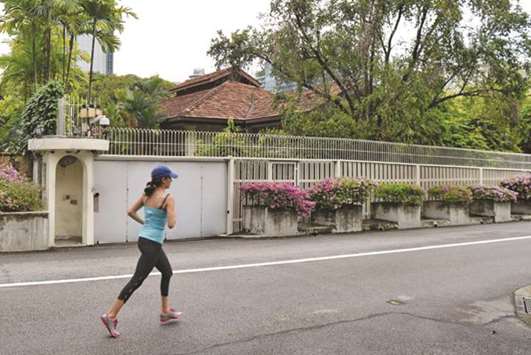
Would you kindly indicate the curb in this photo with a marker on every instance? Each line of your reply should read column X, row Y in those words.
column 522, row 304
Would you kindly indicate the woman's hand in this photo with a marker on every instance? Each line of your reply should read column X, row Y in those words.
column 132, row 211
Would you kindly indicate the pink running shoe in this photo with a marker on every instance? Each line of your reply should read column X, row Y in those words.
column 110, row 325
column 170, row 316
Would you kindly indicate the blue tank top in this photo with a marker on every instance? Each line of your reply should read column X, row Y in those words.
column 154, row 223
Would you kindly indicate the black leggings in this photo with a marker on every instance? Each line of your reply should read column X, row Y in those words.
column 152, row 256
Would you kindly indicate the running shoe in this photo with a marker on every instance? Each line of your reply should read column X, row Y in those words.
column 170, row 316
column 111, row 325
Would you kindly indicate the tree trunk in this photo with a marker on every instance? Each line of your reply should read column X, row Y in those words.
column 47, row 54
column 64, row 55
column 69, row 64
column 94, row 23
column 34, row 54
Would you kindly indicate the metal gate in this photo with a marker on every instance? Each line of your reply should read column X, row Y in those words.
column 200, row 194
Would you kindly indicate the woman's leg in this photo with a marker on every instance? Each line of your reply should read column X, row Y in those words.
column 163, row 265
column 151, row 252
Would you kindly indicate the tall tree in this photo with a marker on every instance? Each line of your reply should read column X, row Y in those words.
column 106, row 18
column 21, row 18
column 388, row 68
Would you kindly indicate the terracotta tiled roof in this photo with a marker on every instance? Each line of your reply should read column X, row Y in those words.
column 230, row 100
column 230, row 94
column 223, row 74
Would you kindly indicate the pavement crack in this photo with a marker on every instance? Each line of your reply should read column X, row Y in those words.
column 499, row 319
column 320, row 326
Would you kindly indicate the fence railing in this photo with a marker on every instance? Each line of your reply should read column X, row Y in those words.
column 75, row 117
column 146, row 142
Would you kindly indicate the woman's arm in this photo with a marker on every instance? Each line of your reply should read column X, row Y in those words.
column 132, row 211
column 170, row 210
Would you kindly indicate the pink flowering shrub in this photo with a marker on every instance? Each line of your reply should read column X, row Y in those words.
column 494, row 193
column 9, row 173
column 332, row 194
column 276, row 195
column 451, row 194
column 521, row 185
column 16, row 193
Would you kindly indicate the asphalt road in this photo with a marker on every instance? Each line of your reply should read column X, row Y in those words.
column 449, row 300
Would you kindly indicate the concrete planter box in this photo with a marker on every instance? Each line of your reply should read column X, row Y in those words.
column 23, row 231
column 343, row 220
column 405, row 216
column 500, row 211
column 521, row 207
column 270, row 223
column 455, row 213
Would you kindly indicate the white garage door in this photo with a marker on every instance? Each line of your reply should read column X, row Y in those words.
column 200, row 193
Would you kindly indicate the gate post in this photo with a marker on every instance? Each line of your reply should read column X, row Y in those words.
column 337, row 172
column 230, row 196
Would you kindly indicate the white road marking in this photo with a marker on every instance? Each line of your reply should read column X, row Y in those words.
column 271, row 263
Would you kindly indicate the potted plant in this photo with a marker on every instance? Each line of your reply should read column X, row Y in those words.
column 339, row 202
column 272, row 209
column 522, row 186
column 399, row 203
column 23, row 224
column 492, row 201
column 451, row 203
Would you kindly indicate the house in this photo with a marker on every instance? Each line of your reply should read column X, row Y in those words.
column 208, row 102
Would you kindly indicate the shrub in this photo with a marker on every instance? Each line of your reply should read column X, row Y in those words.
column 19, row 196
column 493, row 193
column 38, row 118
column 451, row 194
column 331, row 194
column 277, row 196
column 412, row 195
column 521, row 185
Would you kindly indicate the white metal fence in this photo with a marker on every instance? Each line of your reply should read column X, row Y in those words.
column 145, row 142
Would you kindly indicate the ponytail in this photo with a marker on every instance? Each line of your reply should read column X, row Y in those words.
column 152, row 186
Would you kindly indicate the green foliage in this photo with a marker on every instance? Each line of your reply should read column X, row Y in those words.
column 10, row 110
column 128, row 100
column 451, row 194
column 376, row 82
column 406, row 194
column 229, row 142
column 38, row 118
column 19, row 196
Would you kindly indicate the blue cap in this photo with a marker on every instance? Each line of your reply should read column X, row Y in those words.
column 162, row 171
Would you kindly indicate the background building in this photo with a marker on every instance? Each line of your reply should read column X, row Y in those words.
column 103, row 62
column 268, row 81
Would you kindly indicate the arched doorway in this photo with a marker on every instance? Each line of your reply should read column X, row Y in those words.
column 69, row 201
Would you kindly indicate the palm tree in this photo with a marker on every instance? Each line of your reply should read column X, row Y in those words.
column 74, row 22
column 21, row 18
column 106, row 18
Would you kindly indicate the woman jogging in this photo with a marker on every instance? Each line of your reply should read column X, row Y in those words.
column 159, row 209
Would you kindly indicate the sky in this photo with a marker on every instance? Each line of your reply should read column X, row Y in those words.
column 171, row 37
